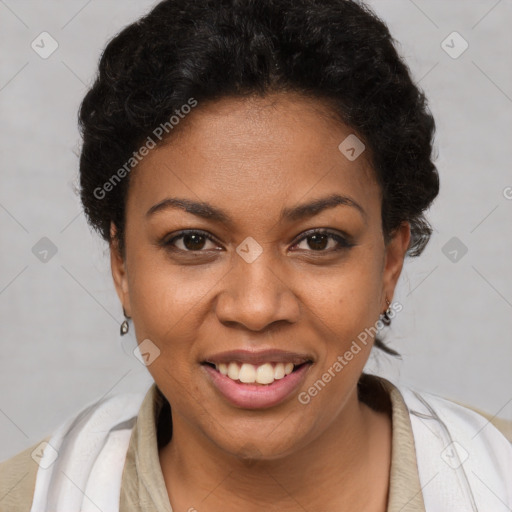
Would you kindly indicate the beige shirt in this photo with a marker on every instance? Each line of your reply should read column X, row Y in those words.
column 143, row 488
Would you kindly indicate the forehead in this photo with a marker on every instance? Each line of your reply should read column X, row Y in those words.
column 256, row 151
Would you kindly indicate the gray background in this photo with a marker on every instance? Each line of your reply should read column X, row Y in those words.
column 59, row 328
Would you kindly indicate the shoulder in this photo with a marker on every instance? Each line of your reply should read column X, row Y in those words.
column 18, row 477
column 460, row 418
column 90, row 428
column 504, row 426
column 460, row 451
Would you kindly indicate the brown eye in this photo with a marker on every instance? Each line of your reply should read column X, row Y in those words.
column 318, row 241
column 191, row 241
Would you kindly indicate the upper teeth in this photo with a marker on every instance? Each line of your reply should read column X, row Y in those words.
column 248, row 373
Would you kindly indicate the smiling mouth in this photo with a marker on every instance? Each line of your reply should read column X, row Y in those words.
column 263, row 374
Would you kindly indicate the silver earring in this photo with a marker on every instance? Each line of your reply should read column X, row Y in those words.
column 386, row 320
column 125, row 326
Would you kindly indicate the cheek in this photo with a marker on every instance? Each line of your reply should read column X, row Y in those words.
column 346, row 299
column 167, row 298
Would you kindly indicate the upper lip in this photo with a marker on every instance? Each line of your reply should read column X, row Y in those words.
column 257, row 357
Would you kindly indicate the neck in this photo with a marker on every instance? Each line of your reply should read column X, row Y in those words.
column 347, row 463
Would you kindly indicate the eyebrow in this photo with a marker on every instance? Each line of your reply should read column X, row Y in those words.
column 207, row 211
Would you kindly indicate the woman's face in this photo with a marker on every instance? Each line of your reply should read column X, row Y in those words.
column 262, row 283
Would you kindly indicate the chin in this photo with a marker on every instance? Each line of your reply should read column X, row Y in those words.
column 263, row 441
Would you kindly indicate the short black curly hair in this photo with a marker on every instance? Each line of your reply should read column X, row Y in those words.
column 336, row 50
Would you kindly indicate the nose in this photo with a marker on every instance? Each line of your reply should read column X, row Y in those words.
column 255, row 295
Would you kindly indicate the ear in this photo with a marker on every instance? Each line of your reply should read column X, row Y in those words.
column 394, row 259
column 118, row 267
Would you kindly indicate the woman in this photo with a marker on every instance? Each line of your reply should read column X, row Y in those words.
column 260, row 171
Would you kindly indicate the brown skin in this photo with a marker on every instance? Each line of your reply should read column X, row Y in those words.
column 251, row 158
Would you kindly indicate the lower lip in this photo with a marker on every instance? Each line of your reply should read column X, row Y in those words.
column 257, row 396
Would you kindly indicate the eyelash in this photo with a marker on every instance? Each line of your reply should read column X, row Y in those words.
column 342, row 242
